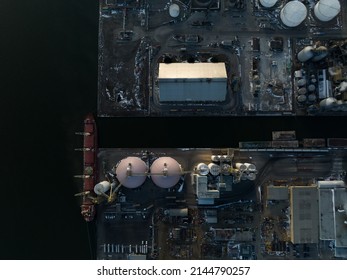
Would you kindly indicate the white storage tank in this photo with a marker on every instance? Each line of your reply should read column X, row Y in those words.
column 214, row 169
column 328, row 102
column 251, row 176
column 268, row 3
column 306, row 54
column 102, row 187
column 165, row 172
column 251, row 167
column 202, row 169
column 326, row 10
column 174, row 10
column 131, row 172
column 293, row 13
column 241, row 166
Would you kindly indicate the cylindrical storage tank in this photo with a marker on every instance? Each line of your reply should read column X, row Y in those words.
column 202, row 169
column 312, row 97
column 241, row 166
column 165, row 172
column 225, row 169
column 311, row 88
column 302, row 91
column 102, row 187
column 251, row 176
column 174, row 10
column 216, row 158
column 306, row 53
column 268, row 3
column 301, row 98
column 131, row 172
column 320, row 53
column 293, row 13
column 326, row 10
column 301, row 82
column 328, row 102
column 214, row 169
column 250, row 167
column 343, row 87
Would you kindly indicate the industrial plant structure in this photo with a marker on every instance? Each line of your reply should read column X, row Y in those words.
column 213, row 57
column 192, row 82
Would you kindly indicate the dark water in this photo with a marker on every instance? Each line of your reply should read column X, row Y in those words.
column 48, row 84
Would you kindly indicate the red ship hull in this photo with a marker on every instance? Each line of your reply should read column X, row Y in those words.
column 89, row 166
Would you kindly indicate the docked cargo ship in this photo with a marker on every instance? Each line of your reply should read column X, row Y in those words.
column 89, row 167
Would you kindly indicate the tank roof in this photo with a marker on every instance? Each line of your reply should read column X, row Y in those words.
column 202, row 70
column 174, row 10
column 131, row 172
column 293, row 13
column 165, row 172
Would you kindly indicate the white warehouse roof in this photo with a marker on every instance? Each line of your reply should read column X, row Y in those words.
column 203, row 70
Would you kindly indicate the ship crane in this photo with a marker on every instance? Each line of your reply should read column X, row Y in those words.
column 93, row 199
column 102, row 196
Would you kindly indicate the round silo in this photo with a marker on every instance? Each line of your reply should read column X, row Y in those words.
column 293, row 13
column 306, row 53
column 302, row 91
column 312, row 97
column 251, row 167
column 174, row 10
column 131, row 172
column 268, row 3
column 311, row 88
column 165, row 172
column 102, row 187
column 301, row 98
column 326, row 10
column 214, row 169
column 251, row 176
column 302, row 82
column 202, row 169
column 241, row 166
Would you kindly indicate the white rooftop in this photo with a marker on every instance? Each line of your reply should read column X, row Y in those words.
column 202, row 70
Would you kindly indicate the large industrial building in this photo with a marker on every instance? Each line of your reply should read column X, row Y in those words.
column 319, row 212
column 333, row 215
column 304, row 209
column 192, row 82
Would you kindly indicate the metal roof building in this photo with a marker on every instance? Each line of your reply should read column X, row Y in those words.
column 333, row 214
column 304, row 214
column 277, row 193
column 192, row 82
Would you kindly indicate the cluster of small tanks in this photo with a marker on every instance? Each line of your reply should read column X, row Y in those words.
column 222, row 165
